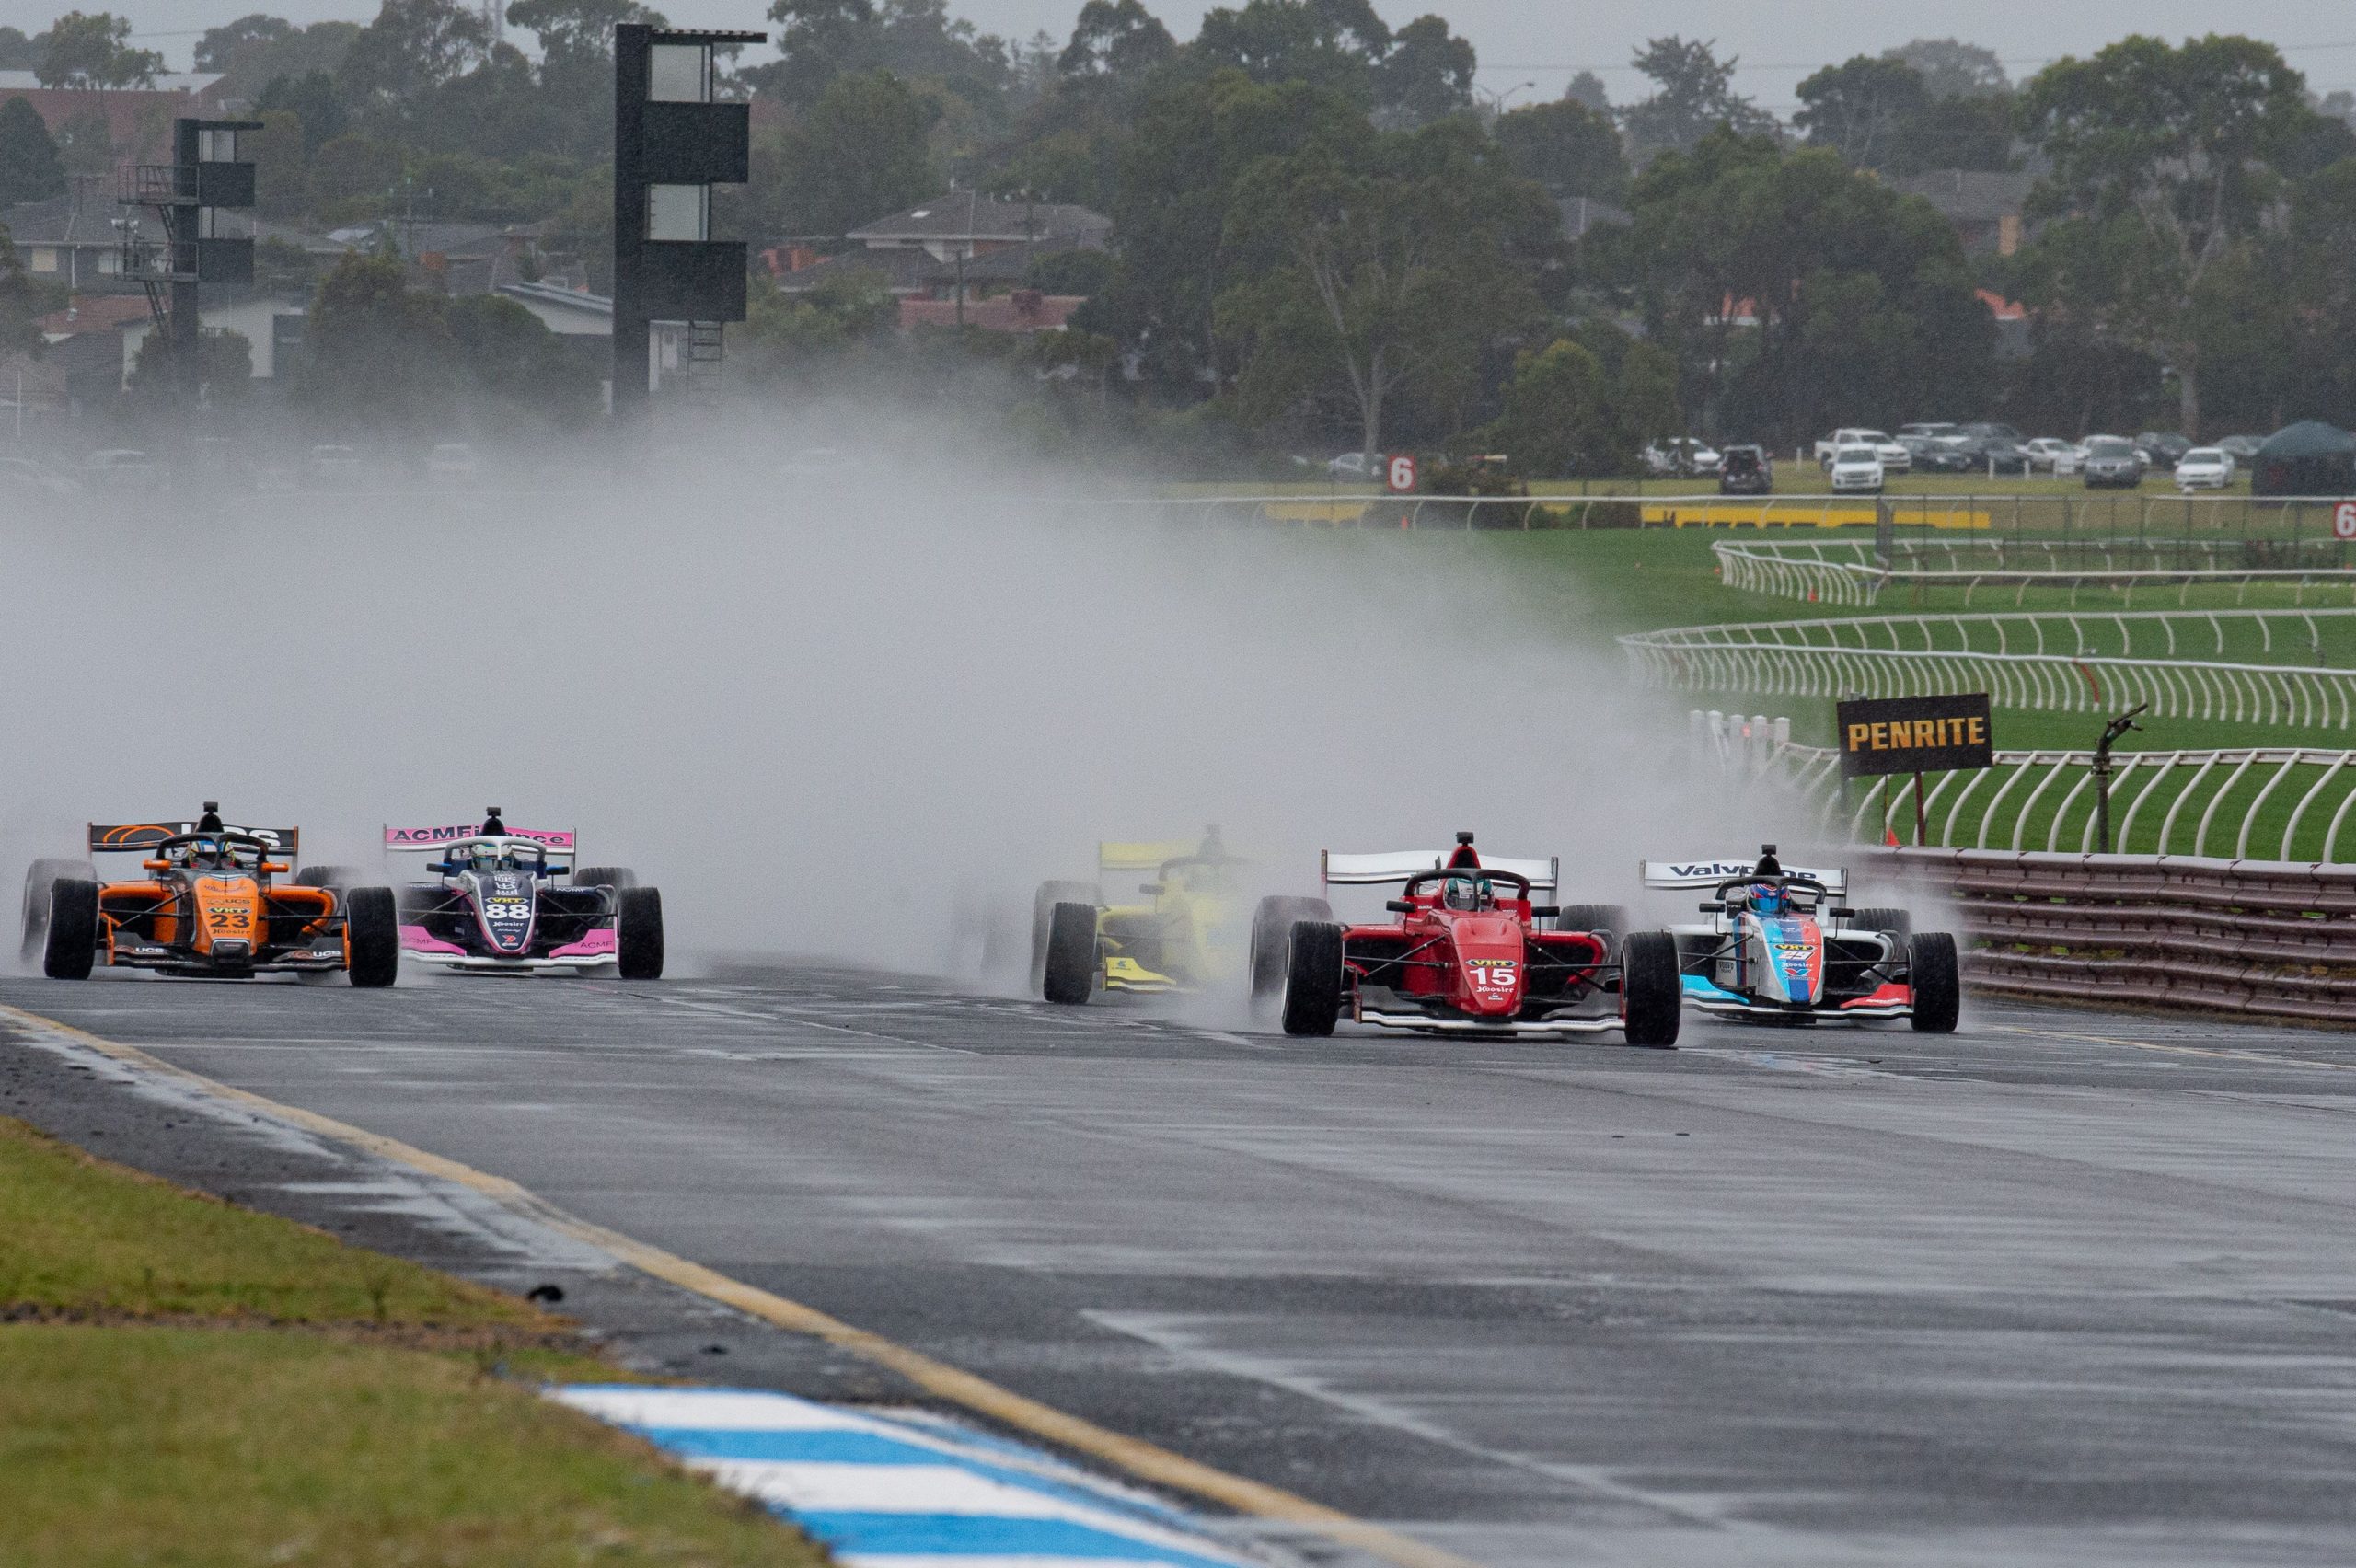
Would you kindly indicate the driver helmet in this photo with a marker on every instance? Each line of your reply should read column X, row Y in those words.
column 484, row 858
column 1468, row 893
column 1771, row 899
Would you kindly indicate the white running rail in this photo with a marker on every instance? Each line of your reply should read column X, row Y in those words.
column 1855, row 571
column 2186, row 663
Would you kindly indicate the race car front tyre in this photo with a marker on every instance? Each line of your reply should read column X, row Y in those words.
column 1042, row 915
column 638, row 932
column 1897, row 923
column 38, row 882
column 1650, row 998
column 1313, row 978
column 1937, row 982
column 71, row 946
column 372, row 937
column 1067, row 974
column 605, row 876
column 1272, row 923
column 327, row 876
column 1608, row 921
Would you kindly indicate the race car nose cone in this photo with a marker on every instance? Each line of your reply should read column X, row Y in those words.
column 230, row 953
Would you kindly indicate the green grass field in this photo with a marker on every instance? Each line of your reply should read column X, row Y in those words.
column 186, row 1383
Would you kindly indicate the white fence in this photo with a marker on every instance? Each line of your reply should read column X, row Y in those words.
column 2054, row 661
column 1855, row 573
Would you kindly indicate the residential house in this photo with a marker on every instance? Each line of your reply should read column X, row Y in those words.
column 966, row 242
column 139, row 120
column 71, row 239
column 1987, row 208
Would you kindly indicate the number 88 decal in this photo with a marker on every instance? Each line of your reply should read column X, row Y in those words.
column 507, row 911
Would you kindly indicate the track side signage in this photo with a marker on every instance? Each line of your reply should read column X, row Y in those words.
column 1915, row 734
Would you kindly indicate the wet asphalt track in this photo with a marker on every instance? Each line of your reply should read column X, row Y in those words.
column 2063, row 1288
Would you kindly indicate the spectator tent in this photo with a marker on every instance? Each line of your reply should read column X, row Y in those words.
column 2306, row 459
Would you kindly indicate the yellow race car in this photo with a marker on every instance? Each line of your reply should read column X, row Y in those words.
column 1193, row 934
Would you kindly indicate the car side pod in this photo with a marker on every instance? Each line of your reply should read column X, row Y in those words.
column 1652, row 1001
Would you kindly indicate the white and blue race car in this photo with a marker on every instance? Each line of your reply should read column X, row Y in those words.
column 1780, row 948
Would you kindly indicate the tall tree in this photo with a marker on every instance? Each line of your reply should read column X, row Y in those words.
column 18, row 52
column 218, row 48
column 413, row 47
column 1796, row 294
column 2163, row 163
column 1332, row 43
column 1860, row 109
column 1694, row 95
column 313, row 100
column 1953, row 69
column 1119, row 39
column 92, row 51
column 1587, row 87
column 1426, row 75
column 19, row 303
column 860, row 154
column 1388, row 272
column 30, row 169
column 1565, row 146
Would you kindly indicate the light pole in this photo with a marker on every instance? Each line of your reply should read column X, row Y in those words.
column 2110, row 732
column 1497, row 99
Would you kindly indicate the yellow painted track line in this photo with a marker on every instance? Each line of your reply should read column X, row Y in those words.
column 1144, row 1460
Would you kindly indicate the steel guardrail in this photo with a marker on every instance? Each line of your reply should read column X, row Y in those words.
column 2256, row 938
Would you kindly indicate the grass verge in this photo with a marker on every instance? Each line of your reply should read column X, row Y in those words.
column 185, row 1382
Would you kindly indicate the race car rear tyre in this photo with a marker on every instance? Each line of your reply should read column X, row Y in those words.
column 71, row 945
column 605, row 876
column 372, row 937
column 1608, row 921
column 1042, row 915
column 1898, row 923
column 1651, row 1002
column 638, row 932
column 1272, row 923
column 1069, row 974
column 1313, row 978
column 1937, row 982
column 38, row 882
column 327, row 876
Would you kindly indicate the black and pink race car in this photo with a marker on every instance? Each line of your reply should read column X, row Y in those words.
column 508, row 901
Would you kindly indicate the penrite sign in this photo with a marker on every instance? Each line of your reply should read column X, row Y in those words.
column 1914, row 734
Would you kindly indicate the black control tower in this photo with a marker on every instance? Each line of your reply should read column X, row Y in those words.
column 672, row 145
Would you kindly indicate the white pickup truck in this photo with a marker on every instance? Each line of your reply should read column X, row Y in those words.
column 1894, row 457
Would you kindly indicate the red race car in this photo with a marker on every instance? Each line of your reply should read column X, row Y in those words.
column 1466, row 956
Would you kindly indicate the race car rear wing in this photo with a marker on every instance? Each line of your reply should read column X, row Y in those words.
column 408, row 840
column 1141, row 855
column 1710, row 873
column 128, row 839
column 1400, row 866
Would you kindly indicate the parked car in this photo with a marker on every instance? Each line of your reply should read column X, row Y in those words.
column 1352, row 465
column 1746, row 470
column 1991, row 456
column 2111, row 462
column 1895, row 457
column 120, row 467
column 1856, row 469
column 329, row 466
column 1989, row 431
column 1934, row 454
column 2205, row 467
column 2241, row 448
column 2051, row 455
column 1932, row 431
column 24, row 476
column 450, row 462
column 1680, row 457
column 2162, row 449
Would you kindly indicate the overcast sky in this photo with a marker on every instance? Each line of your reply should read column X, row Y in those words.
column 1546, row 41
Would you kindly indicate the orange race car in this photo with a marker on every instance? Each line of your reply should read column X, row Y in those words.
column 208, row 908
